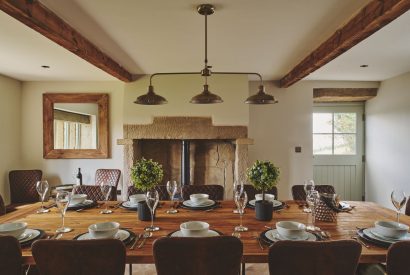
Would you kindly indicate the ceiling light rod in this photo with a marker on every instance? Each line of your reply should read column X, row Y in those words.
column 205, row 97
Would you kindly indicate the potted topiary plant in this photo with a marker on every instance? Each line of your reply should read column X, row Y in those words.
column 263, row 175
column 145, row 175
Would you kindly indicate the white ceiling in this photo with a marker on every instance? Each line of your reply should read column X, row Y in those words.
column 148, row 36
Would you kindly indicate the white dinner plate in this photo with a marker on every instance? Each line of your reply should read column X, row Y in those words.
column 128, row 204
column 274, row 236
column 372, row 234
column 29, row 234
column 121, row 235
column 210, row 233
column 206, row 203
column 275, row 203
column 84, row 203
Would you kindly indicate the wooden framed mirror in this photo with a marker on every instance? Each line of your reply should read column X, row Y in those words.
column 75, row 126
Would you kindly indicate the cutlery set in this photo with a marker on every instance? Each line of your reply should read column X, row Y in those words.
column 144, row 236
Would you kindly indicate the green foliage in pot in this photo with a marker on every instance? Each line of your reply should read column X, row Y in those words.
column 263, row 175
column 145, row 174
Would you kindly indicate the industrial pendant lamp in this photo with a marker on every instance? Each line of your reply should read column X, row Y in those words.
column 205, row 97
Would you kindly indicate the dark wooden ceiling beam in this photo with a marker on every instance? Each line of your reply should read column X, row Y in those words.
column 38, row 17
column 343, row 94
column 374, row 16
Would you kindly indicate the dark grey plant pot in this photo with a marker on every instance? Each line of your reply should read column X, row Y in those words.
column 263, row 210
column 144, row 214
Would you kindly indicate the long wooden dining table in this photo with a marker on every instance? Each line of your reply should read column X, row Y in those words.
column 222, row 219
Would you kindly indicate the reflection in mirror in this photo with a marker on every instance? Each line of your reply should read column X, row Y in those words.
column 75, row 125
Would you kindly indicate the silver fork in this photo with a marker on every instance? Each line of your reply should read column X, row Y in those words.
column 145, row 237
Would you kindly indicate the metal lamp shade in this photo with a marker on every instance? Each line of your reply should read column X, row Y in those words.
column 206, row 97
column 261, row 97
column 150, row 98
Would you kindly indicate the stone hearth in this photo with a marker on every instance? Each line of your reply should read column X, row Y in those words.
column 218, row 154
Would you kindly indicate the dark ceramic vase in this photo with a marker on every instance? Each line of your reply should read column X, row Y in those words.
column 144, row 214
column 263, row 210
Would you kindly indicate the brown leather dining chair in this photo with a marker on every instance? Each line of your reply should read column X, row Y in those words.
column 299, row 194
column 68, row 257
column 2, row 206
column 94, row 192
column 162, row 192
column 314, row 258
column 407, row 211
column 112, row 176
column 220, row 255
column 398, row 258
column 251, row 191
column 10, row 256
column 215, row 191
column 23, row 185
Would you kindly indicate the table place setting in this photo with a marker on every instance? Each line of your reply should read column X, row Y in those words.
column 19, row 230
column 194, row 229
column 277, row 205
column 289, row 231
column 107, row 230
column 199, row 202
column 79, row 201
column 385, row 233
column 132, row 203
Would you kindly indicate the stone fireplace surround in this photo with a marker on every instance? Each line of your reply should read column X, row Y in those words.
column 225, row 149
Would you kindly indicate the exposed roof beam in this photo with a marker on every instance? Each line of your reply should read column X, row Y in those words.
column 371, row 18
column 343, row 94
column 36, row 16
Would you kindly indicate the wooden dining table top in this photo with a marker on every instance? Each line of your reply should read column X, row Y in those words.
column 222, row 219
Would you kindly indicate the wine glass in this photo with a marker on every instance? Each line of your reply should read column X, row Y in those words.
column 152, row 199
column 42, row 189
column 172, row 188
column 237, row 187
column 308, row 186
column 398, row 198
column 63, row 199
column 312, row 199
column 106, row 191
column 241, row 198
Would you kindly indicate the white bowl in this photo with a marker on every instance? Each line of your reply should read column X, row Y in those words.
column 104, row 230
column 135, row 199
column 291, row 230
column 268, row 197
column 194, row 228
column 390, row 229
column 199, row 198
column 78, row 198
column 14, row 229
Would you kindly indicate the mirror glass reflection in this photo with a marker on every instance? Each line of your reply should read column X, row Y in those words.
column 75, row 125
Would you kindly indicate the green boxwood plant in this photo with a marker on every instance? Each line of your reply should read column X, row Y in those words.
column 263, row 175
column 145, row 174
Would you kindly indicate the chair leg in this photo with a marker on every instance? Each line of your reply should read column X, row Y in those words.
column 130, row 269
column 243, row 269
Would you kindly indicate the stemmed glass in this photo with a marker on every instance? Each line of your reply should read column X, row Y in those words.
column 241, row 198
column 237, row 187
column 312, row 199
column 63, row 199
column 172, row 188
column 308, row 186
column 152, row 199
column 42, row 189
column 398, row 198
column 106, row 191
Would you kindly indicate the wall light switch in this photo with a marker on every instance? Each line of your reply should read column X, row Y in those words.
column 298, row 149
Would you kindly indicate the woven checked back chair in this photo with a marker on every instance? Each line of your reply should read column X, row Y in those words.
column 112, row 176
column 10, row 256
column 251, row 191
column 407, row 211
column 314, row 258
column 23, row 185
column 162, row 192
column 219, row 255
column 299, row 194
column 69, row 257
column 94, row 193
column 215, row 192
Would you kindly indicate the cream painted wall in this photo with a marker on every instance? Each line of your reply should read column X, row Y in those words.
column 277, row 129
column 10, row 119
column 178, row 90
column 388, row 140
column 61, row 171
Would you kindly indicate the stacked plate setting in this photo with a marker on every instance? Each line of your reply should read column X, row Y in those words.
column 106, row 230
column 268, row 197
column 194, row 229
column 20, row 231
column 386, row 232
column 199, row 201
column 79, row 201
column 133, row 201
column 288, row 230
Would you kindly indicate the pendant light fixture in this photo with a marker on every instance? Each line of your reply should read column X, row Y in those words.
column 206, row 96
